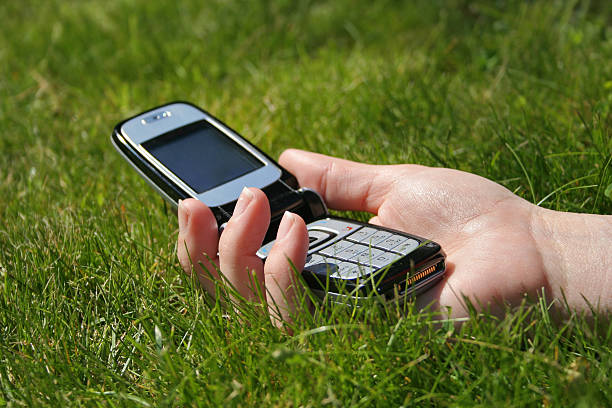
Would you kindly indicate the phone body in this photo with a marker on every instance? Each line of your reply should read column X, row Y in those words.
column 184, row 151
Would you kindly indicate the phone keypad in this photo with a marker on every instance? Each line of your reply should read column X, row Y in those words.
column 362, row 234
column 336, row 248
column 345, row 250
column 368, row 255
column 358, row 251
column 392, row 242
column 314, row 259
column 351, row 253
column 378, row 237
column 406, row 247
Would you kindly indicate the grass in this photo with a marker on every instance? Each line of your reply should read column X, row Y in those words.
column 93, row 307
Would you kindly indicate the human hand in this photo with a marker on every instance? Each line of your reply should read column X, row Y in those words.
column 499, row 246
column 201, row 250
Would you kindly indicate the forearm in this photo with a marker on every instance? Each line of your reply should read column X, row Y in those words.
column 576, row 251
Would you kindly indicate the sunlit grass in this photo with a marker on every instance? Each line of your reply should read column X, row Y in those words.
column 93, row 306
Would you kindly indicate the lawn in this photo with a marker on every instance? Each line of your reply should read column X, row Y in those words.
column 94, row 309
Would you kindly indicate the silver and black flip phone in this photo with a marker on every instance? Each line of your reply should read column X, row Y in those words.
column 183, row 152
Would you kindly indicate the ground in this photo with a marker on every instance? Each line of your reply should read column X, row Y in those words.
column 93, row 305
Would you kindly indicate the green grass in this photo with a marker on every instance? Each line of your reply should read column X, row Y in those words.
column 93, row 307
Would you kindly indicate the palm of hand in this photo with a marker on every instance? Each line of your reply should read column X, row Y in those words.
column 483, row 228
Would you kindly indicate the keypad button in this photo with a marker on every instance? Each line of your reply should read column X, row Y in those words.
column 341, row 228
column 351, row 252
column 316, row 238
column 406, row 247
column 377, row 237
column 336, row 248
column 391, row 242
column 349, row 270
column 362, row 234
column 346, row 270
column 264, row 251
column 384, row 259
column 365, row 271
column 313, row 259
column 366, row 257
column 323, row 266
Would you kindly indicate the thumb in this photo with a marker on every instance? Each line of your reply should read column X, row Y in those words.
column 344, row 184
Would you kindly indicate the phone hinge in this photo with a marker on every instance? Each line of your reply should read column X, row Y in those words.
column 305, row 202
column 315, row 203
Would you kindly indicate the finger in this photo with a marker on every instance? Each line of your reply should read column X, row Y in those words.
column 241, row 239
column 375, row 220
column 344, row 185
column 287, row 257
column 198, row 240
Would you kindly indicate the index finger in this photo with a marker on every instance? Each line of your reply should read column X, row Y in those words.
column 344, row 184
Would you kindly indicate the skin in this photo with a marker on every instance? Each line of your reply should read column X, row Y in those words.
column 500, row 248
column 199, row 241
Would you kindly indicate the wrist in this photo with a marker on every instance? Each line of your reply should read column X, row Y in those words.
column 576, row 258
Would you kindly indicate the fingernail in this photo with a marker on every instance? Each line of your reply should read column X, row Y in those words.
column 183, row 216
column 285, row 225
column 246, row 196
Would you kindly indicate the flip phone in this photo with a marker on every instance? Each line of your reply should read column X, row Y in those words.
column 183, row 151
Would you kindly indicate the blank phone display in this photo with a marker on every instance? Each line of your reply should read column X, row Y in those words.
column 204, row 158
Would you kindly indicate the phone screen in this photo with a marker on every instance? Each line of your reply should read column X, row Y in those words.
column 203, row 158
